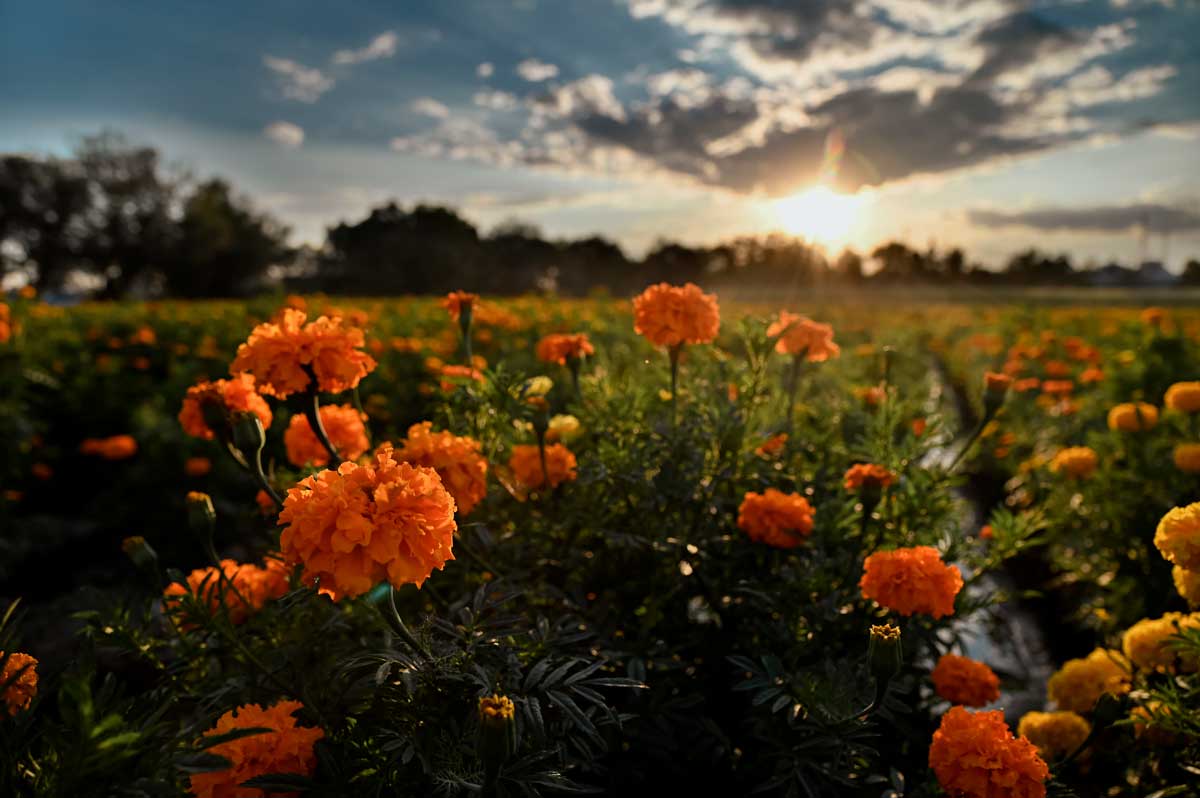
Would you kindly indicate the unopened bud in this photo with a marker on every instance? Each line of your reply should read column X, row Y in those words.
column 497, row 732
column 248, row 434
column 201, row 515
column 140, row 553
column 995, row 389
column 1108, row 710
column 884, row 653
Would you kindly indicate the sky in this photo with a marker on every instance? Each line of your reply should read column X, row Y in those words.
column 995, row 125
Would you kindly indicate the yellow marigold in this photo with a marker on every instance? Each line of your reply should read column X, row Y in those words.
column 457, row 460
column 361, row 525
column 776, row 518
column 1077, row 462
column 1187, row 457
column 246, row 587
column 278, row 353
column 964, row 681
column 19, row 694
column 869, row 475
column 1188, row 584
column 1178, row 536
column 234, row 395
column 799, row 335
column 1132, row 417
column 563, row 427
column 1056, row 734
column 118, row 447
column 974, row 755
column 344, row 426
column 1183, row 397
column 458, row 301
column 526, row 465
column 1148, row 643
column 496, row 706
column 1148, row 724
column 670, row 315
column 287, row 748
column 911, row 580
column 561, row 347
column 1078, row 685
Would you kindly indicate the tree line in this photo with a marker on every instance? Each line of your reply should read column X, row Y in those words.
column 113, row 221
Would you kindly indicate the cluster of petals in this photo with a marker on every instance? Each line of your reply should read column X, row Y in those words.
column 280, row 354
column 344, row 426
column 799, row 335
column 1150, row 643
column 526, row 465
column 964, row 681
column 868, row 475
column 561, row 347
column 116, row 447
column 1132, row 417
column 1056, row 734
column 1183, row 397
column 457, row 301
column 911, row 580
column 457, row 459
column 974, row 755
column 1077, row 462
column 1079, row 683
column 243, row 587
column 779, row 519
column 671, row 315
column 1178, row 536
column 19, row 691
column 286, row 748
column 234, row 395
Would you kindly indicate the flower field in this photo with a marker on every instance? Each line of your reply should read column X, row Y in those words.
column 420, row 546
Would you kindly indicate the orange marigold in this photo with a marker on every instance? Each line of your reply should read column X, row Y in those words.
column 670, row 315
column 197, row 466
column 911, row 580
column 281, row 353
column 1187, row 582
column 1077, row 462
column 118, row 447
column 456, row 301
column 234, row 395
column 19, row 694
column 965, row 681
column 1132, row 417
column 561, row 347
column 799, row 335
column 776, row 518
column 344, row 426
column 361, row 525
column 457, row 460
column 1183, row 397
column 246, row 587
column 1056, row 734
column 1078, row 685
column 1178, row 536
column 1058, row 387
column 974, row 755
column 870, row 475
column 526, row 465
column 772, row 445
column 1186, row 457
column 287, row 748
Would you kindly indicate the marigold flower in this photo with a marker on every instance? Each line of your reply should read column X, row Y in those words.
column 197, row 466
column 974, row 755
column 911, row 580
column 995, row 383
column 278, row 353
column 961, row 680
column 869, row 475
column 1188, row 584
column 1187, row 457
column 1091, row 375
column 287, row 748
column 1056, row 734
column 1178, row 536
column 234, row 395
column 344, row 426
column 526, row 465
column 1078, row 685
column 1027, row 384
column 1132, row 417
column 20, row 693
column 1148, row 642
column 458, row 301
column 776, row 518
column 361, row 525
column 563, row 427
column 1148, row 726
column 1058, row 387
column 1077, row 462
column 799, row 335
column 1183, row 397
column 670, row 315
column 561, row 347
column 457, row 460
column 118, row 447
column 772, row 445
column 246, row 587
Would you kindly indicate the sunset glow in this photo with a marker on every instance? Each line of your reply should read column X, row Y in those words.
column 821, row 214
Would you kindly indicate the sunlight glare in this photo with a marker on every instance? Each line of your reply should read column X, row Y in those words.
column 820, row 214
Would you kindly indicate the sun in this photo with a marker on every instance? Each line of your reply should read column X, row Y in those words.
column 821, row 214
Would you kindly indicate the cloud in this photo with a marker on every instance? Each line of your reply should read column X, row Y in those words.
column 485, row 70
column 285, row 134
column 589, row 96
column 536, row 71
column 298, row 82
column 427, row 106
column 382, row 46
column 1152, row 217
column 495, row 100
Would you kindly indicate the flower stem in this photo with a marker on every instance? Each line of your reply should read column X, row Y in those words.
column 397, row 623
column 673, row 353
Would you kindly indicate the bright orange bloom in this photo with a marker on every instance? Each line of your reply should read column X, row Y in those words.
column 1027, row 384
column 287, row 748
column 18, row 695
column 344, row 426
column 871, row 395
column 1178, row 536
column 779, row 519
column 234, row 395
column 246, row 587
column 361, row 525
column 456, row 301
column 869, row 475
column 772, row 445
column 1058, row 387
column 526, row 465
column 561, row 347
column 799, row 335
column 1091, row 375
column 918, row 427
column 1077, row 462
column 457, row 460
column 1079, row 683
column 278, row 353
column 995, row 383
column 1056, row 734
column 1132, row 417
column 670, row 315
column 965, row 681
column 1183, row 397
column 986, row 532
column 197, row 466
column 118, row 447
column 911, row 580
column 1187, row 457
column 974, row 755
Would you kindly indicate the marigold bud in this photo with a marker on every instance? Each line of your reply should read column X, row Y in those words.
column 201, row 515
column 248, row 434
column 497, row 732
column 885, row 654
column 141, row 554
column 995, row 389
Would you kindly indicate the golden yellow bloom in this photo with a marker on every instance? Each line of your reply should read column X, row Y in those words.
column 1187, row 457
column 495, row 706
column 1078, row 685
column 1178, row 536
column 1148, row 642
column 1183, row 397
column 1188, row 584
column 1132, row 417
column 563, row 427
column 1056, row 734
column 538, row 386
column 1077, row 462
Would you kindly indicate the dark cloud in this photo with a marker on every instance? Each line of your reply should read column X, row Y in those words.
column 1017, row 41
column 1095, row 219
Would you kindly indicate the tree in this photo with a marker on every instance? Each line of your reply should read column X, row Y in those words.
column 45, row 207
